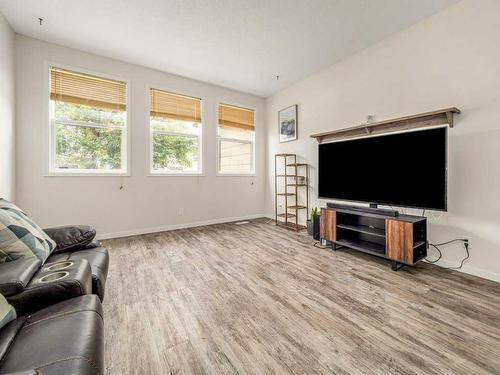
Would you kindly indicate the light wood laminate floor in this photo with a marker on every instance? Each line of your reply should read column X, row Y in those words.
column 258, row 299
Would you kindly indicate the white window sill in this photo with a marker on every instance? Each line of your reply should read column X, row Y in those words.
column 236, row 174
column 167, row 174
column 87, row 174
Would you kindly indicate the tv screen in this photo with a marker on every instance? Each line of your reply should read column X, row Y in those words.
column 404, row 169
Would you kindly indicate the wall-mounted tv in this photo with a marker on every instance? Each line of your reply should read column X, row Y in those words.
column 404, row 169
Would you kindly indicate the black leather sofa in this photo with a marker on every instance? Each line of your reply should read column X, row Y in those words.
column 75, row 268
column 63, row 339
column 75, row 243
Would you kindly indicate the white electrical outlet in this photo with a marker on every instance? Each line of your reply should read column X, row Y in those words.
column 180, row 211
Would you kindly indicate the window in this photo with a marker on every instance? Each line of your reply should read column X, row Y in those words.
column 88, row 117
column 236, row 140
column 175, row 133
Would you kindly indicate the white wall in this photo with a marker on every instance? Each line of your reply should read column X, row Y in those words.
column 449, row 59
column 146, row 203
column 7, row 110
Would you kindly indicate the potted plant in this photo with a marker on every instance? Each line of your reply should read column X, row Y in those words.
column 313, row 223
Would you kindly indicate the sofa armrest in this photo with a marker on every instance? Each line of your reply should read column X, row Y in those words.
column 15, row 275
column 53, row 283
column 71, row 237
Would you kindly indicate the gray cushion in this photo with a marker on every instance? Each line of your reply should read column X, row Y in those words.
column 7, row 312
column 20, row 237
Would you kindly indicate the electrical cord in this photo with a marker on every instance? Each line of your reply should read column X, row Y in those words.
column 308, row 242
column 466, row 245
column 299, row 238
column 320, row 246
column 439, row 256
column 464, row 240
column 436, row 246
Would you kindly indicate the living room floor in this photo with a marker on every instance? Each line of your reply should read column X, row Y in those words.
column 259, row 299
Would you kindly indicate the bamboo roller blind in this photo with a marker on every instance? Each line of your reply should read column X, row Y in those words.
column 175, row 107
column 236, row 117
column 77, row 88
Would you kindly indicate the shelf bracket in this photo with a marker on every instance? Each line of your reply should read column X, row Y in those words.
column 449, row 117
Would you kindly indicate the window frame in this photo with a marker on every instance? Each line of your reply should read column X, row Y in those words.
column 219, row 138
column 50, row 143
column 150, row 132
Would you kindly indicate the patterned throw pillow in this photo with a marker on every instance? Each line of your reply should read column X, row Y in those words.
column 7, row 312
column 20, row 236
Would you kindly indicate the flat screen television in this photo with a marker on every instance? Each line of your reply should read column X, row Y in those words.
column 405, row 169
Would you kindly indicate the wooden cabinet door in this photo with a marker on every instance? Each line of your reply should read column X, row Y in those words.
column 399, row 241
column 328, row 225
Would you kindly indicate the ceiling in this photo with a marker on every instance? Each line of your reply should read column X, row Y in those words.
column 239, row 44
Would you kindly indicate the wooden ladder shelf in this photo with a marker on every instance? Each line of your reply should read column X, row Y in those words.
column 296, row 180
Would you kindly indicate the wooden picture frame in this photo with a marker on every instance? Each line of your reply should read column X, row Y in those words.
column 287, row 124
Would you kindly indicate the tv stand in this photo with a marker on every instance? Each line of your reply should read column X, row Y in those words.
column 401, row 239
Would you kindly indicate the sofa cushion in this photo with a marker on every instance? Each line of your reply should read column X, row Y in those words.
column 66, row 338
column 7, row 312
column 20, row 237
column 71, row 237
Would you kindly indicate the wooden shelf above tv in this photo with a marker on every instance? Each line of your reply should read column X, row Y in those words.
column 434, row 118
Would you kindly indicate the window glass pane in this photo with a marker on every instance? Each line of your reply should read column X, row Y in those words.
column 175, row 126
column 80, row 147
column 86, row 114
column 235, row 157
column 88, row 122
column 175, row 153
column 244, row 135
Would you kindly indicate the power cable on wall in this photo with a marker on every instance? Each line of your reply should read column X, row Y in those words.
column 465, row 242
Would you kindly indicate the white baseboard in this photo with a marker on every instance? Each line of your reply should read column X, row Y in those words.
column 471, row 270
column 136, row 232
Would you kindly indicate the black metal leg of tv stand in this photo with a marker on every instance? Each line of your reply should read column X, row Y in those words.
column 336, row 247
column 395, row 266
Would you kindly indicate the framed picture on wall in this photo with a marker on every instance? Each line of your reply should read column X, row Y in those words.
column 287, row 122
